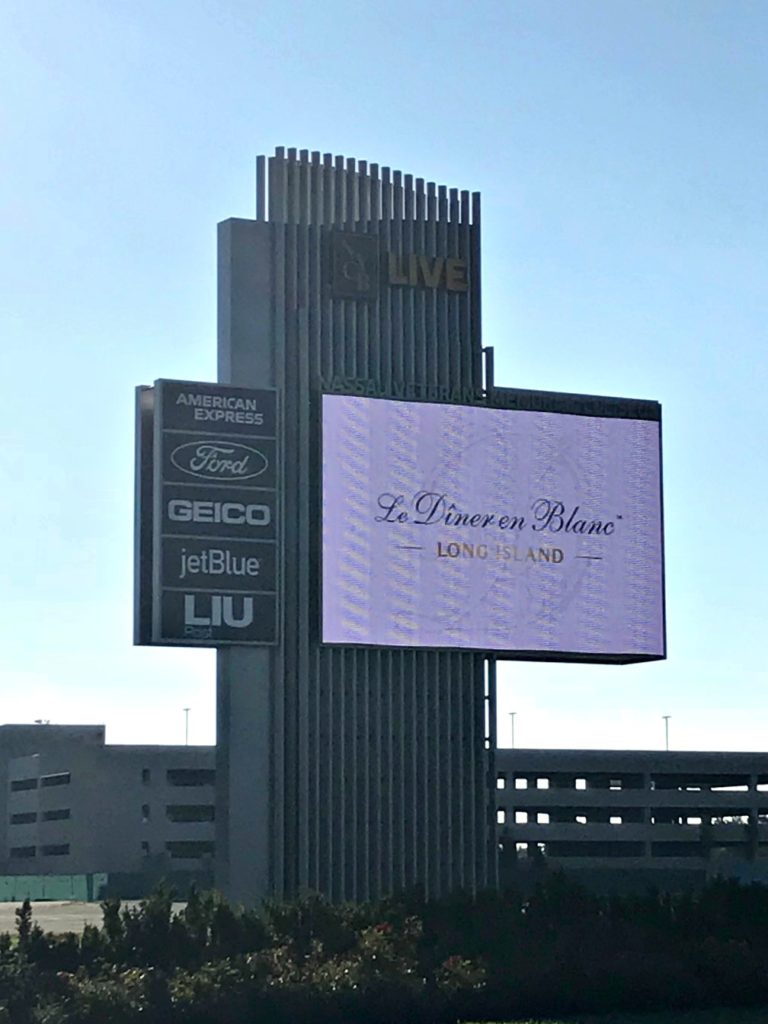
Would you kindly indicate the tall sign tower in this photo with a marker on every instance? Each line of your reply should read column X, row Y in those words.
column 361, row 523
column 354, row 771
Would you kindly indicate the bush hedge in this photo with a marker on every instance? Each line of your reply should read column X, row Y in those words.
column 498, row 956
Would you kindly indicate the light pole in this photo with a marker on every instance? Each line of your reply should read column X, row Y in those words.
column 186, row 727
column 666, row 730
column 512, row 727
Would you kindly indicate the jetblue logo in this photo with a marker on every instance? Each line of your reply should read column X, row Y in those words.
column 217, row 562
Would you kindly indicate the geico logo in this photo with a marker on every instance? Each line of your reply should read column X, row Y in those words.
column 232, row 513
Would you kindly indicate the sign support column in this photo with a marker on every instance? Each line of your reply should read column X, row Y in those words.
column 244, row 675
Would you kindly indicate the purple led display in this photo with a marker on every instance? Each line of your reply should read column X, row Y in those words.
column 536, row 534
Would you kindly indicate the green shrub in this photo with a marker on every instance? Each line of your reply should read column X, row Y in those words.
column 497, row 956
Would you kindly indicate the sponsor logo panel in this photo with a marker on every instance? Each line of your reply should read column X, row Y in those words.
column 219, row 512
column 205, row 407
column 209, row 619
column 215, row 508
column 219, row 460
column 219, row 565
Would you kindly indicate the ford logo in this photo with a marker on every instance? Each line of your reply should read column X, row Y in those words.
column 219, row 460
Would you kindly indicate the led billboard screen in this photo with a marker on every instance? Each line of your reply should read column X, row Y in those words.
column 529, row 533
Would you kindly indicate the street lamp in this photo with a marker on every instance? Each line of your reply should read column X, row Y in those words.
column 666, row 730
column 512, row 727
column 186, row 727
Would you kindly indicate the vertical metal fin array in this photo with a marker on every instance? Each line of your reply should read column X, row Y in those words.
column 381, row 770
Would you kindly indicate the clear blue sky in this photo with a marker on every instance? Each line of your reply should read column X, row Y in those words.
column 621, row 149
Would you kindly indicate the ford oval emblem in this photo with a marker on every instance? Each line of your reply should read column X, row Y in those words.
column 219, row 460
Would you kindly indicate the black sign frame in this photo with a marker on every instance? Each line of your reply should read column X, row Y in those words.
column 207, row 498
